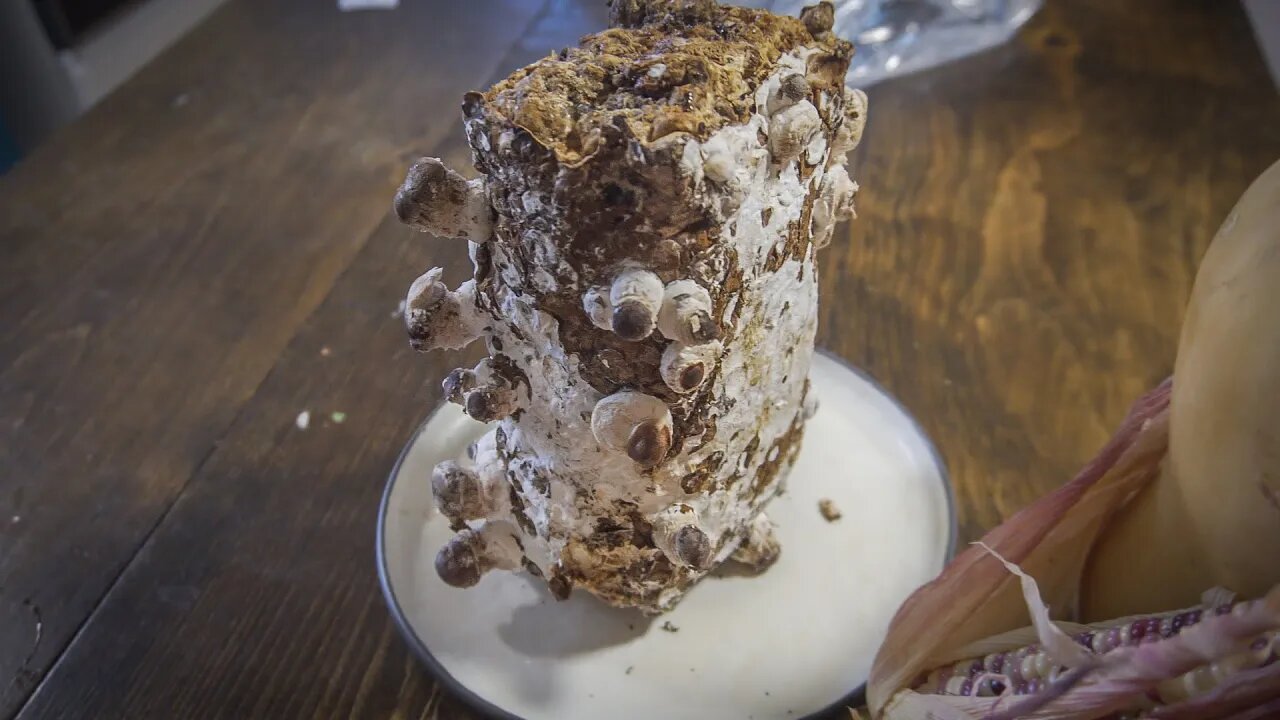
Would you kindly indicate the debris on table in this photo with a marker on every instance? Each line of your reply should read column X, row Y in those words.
column 304, row 420
column 338, row 416
column 829, row 511
column 669, row 627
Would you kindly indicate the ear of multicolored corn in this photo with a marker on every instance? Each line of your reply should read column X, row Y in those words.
column 976, row 597
column 1173, row 661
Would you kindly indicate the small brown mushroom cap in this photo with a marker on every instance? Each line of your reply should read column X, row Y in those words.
column 819, row 19
column 458, row 493
column 692, row 376
column 685, row 367
column 791, row 89
column 492, row 393
column 632, row 320
column 457, row 383
column 649, row 442
column 693, row 547
column 636, row 297
column 459, row 563
column 679, row 535
column 634, row 423
column 491, row 402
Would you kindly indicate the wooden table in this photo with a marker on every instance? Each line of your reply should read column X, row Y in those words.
column 209, row 252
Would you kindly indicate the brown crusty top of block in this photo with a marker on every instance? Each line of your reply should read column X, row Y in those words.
column 671, row 65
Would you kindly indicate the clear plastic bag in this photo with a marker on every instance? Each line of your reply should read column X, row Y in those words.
column 898, row 37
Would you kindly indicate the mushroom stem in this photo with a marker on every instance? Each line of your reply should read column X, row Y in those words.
column 834, row 203
column 760, row 548
column 438, row 200
column 437, row 318
column 855, row 120
column 685, row 315
column 474, row 551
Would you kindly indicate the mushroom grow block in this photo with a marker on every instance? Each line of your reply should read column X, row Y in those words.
column 643, row 232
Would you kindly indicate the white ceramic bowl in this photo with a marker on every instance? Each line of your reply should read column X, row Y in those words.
column 793, row 642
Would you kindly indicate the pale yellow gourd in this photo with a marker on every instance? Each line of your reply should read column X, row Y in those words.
column 1213, row 516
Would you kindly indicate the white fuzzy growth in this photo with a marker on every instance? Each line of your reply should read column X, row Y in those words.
column 691, row 161
column 717, row 159
column 792, row 129
column 834, row 203
column 499, row 544
column 595, row 303
column 615, row 417
column 567, row 450
column 636, row 285
column 683, row 303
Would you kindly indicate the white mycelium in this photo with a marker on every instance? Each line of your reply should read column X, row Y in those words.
column 649, row 353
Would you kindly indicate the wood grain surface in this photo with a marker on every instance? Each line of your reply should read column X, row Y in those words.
column 209, row 252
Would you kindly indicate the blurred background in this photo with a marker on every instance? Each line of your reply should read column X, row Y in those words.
column 59, row 57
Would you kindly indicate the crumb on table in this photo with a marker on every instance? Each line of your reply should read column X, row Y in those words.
column 669, row 627
column 829, row 511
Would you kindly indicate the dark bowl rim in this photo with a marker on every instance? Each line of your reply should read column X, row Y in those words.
column 853, row 699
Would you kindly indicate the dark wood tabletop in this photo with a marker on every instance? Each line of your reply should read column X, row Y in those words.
column 209, row 252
